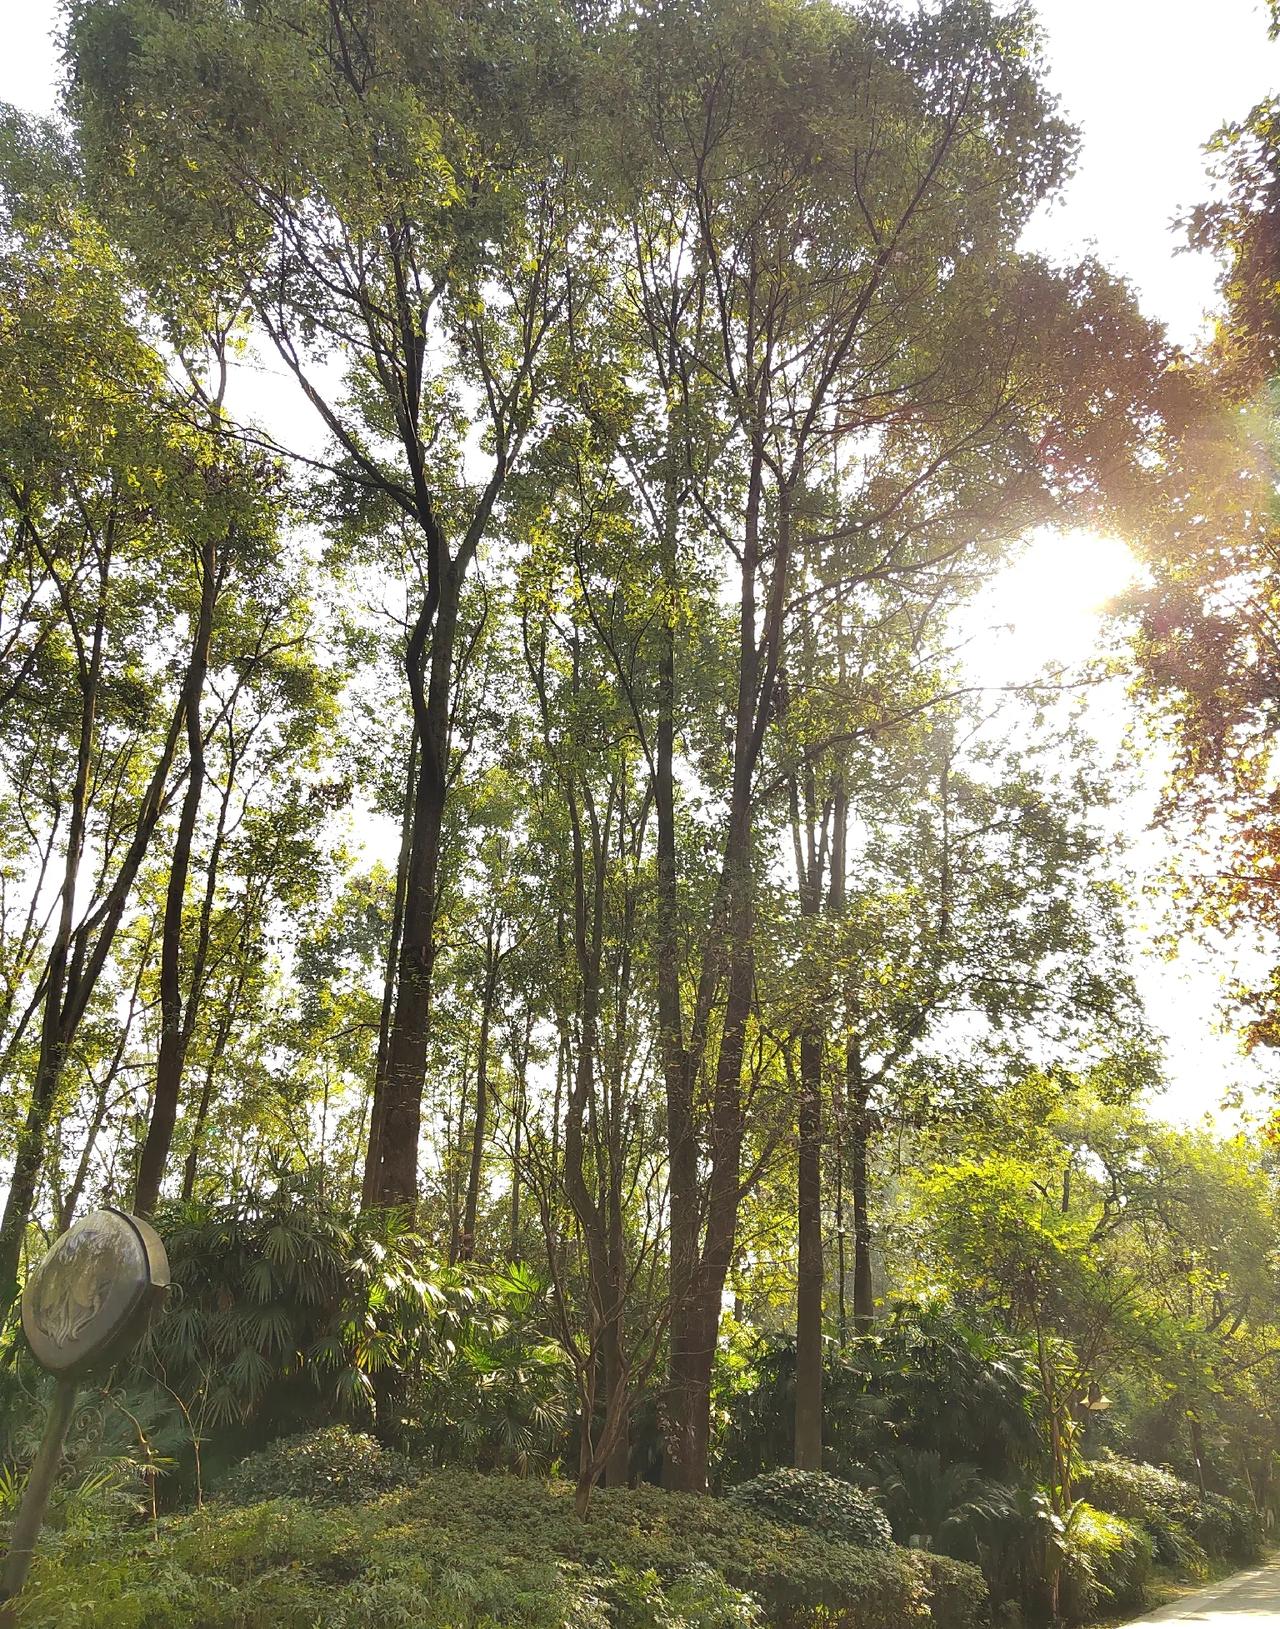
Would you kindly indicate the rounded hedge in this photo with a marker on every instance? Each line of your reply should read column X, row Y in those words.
column 332, row 1466
column 814, row 1499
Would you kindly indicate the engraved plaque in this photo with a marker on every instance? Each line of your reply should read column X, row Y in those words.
column 93, row 1293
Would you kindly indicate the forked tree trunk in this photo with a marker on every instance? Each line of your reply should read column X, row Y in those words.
column 811, row 857
column 702, row 1250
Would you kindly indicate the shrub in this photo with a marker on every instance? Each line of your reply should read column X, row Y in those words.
column 814, row 1499
column 288, row 1312
column 938, row 1506
column 1106, row 1562
column 458, row 1550
column 928, row 1378
column 696, row 1599
column 1184, row 1528
column 1227, row 1529
column 1126, row 1487
column 333, row 1466
column 958, row 1597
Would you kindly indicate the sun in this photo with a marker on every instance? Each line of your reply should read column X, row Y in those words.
column 1046, row 607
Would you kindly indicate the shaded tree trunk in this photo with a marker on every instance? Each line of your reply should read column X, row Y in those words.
column 373, row 1151
column 864, row 1310
column 810, row 844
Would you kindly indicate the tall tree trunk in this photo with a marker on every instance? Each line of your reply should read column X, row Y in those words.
column 201, row 1119
column 810, row 853
column 392, row 1175
column 856, row 1096
column 519, row 1109
column 617, row 1380
column 174, row 1032
column 700, row 1264
column 29, row 1157
column 71, row 1201
column 685, row 1440
column 808, row 1445
column 471, row 1204
column 373, row 1151
column 836, row 897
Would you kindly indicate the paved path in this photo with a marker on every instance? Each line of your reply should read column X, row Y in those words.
column 1247, row 1600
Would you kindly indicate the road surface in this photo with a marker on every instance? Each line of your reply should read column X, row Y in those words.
column 1247, row 1600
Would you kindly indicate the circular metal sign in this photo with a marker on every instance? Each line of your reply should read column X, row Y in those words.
column 94, row 1291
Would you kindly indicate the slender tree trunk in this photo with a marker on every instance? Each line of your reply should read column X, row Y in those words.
column 698, row 1276
column 71, row 1201
column 471, row 1205
column 808, row 1446
column 174, row 1032
column 695, row 1321
column 70, row 981
column 864, row 1310
column 617, row 1470
column 201, row 1120
column 810, row 851
column 685, row 1437
column 521, row 1061
column 855, row 1100
column 836, row 896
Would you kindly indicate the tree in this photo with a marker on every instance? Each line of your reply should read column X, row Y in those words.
column 1206, row 649
column 1048, row 1270
column 799, row 307
column 103, row 511
column 406, row 207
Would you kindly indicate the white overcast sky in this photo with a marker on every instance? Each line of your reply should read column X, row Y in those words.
column 1147, row 82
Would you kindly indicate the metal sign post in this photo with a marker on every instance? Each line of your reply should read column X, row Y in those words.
column 82, row 1308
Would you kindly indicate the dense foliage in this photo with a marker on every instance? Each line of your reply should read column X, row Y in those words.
column 459, row 1552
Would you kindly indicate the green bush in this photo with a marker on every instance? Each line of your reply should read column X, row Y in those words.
column 333, row 1466
column 1184, row 1528
column 958, row 1597
column 1126, row 1487
column 1227, row 1530
column 465, row 1551
column 814, row 1499
column 696, row 1599
column 1106, row 1562
column 930, row 1377
column 938, row 1506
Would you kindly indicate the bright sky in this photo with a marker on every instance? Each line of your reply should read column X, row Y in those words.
column 1147, row 81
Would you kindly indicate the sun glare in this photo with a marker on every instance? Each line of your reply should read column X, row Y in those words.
column 1046, row 608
